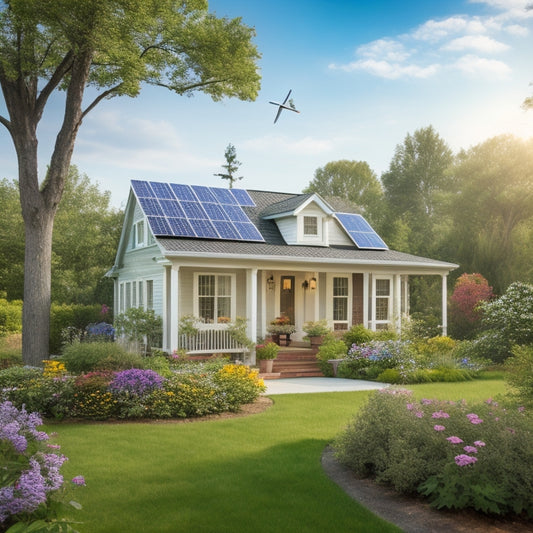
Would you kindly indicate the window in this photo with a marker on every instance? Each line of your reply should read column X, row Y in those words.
column 138, row 234
column 310, row 225
column 214, row 297
column 340, row 300
column 135, row 294
column 382, row 299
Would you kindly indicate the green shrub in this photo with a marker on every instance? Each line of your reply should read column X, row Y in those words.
column 520, row 373
column 357, row 335
column 17, row 375
column 10, row 351
column 331, row 348
column 10, row 316
column 89, row 356
column 141, row 326
column 73, row 318
column 460, row 456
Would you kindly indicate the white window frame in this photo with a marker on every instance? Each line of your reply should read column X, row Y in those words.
column 136, row 293
column 139, row 233
column 232, row 294
column 389, row 298
column 330, row 299
column 317, row 237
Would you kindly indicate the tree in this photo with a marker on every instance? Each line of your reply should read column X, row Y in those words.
column 465, row 316
column 354, row 181
column 491, row 209
column 231, row 166
column 114, row 46
column 415, row 185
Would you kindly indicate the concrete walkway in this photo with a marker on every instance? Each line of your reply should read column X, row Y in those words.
column 313, row 385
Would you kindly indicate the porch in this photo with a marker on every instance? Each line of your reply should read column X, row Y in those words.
column 294, row 362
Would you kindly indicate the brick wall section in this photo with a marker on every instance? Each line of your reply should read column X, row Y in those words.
column 357, row 304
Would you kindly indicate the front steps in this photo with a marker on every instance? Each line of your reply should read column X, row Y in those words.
column 294, row 362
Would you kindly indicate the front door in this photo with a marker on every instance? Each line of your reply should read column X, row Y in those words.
column 286, row 299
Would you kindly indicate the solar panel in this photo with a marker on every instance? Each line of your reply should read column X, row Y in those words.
column 183, row 192
column 242, row 197
column 180, row 227
column 224, row 196
column 361, row 232
column 142, row 189
column 196, row 211
column 151, row 207
column 203, row 193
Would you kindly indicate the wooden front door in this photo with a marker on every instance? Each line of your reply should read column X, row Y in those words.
column 286, row 299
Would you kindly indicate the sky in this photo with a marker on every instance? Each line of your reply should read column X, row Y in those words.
column 363, row 75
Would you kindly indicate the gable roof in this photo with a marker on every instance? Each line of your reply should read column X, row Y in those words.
column 268, row 206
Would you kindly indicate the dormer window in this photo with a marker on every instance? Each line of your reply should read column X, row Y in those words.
column 310, row 226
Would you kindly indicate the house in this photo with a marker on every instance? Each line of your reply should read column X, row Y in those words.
column 217, row 254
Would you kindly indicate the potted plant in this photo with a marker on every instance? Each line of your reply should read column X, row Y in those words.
column 281, row 325
column 265, row 354
column 316, row 331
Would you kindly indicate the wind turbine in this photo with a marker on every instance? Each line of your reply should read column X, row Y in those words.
column 282, row 106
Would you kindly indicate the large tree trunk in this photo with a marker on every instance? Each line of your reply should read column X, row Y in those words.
column 37, row 288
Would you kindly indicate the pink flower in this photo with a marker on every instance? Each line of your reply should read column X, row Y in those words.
column 437, row 427
column 419, row 414
column 474, row 419
column 464, row 460
column 78, row 480
column 470, row 449
column 479, row 443
column 409, row 406
column 454, row 440
column 521, row 409
column 425, row 401
column 440, row 414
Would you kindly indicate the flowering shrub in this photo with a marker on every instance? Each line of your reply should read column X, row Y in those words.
column 238, row 385
column 31, row 475
column 136, row 381
column 54, row 368
column 100, row 332
column 457, row 455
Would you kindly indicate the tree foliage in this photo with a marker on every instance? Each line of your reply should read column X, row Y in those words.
column 354, row 181
column 113, row 46
column 231, row 166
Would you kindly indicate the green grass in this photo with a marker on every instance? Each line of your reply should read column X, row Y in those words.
column 260, row 473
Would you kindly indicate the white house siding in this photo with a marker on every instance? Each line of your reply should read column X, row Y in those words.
column 288, row 229
column 336, row 235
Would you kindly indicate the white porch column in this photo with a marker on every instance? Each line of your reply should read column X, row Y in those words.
column 445, row 304
column 174, row 306
column 398, row 302
column 365, row 300
column 251, row 307
column 263, row 303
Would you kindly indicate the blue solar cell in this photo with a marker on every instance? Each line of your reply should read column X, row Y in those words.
column 248, row 231
column 142, row 189
column 215, row 211
column 171, row 208
column 193, row 210
column 183, row 192
column 151, row 207
column 353, row 222
column 235, row 213
column 361, row 232
column 180, row 227
column 203, row 228
column 242, row 197
column 224, row 196
column 159, row 226
column 162, row 190
column 203, row 193
column 226, row 230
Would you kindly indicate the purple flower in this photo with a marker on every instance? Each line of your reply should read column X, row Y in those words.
column 454, row 440
column 474, row 419
column 464, row 460
column 438, row 427
column 410, row 406
column 136, row 381
column 425, row 401
column 470, row 449
column 479, row 443
column 79, row 480
column 440, row 414
column 521, row 409
column 419, row 414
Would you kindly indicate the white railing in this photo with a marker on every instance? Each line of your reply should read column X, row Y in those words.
column 211, row 340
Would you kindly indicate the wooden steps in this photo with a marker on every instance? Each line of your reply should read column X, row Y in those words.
column 294, row 363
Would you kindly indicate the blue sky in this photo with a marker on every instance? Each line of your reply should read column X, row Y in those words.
column 363, row 74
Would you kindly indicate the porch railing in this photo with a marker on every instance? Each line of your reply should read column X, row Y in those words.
column 211, row 340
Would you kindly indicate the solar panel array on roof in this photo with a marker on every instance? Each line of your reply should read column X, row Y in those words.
column 361, row 232
column 196, row 211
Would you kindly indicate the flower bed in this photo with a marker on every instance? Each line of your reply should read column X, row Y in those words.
column 457, row 455
column 196, row 390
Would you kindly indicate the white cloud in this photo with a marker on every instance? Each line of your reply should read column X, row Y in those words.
column 386, row 49
column 386, row 69
column 436, row 30
column 517, row 29
column 480, row 43
column 474, row 66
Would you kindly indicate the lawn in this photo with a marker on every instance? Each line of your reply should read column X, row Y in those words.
column 260, row 473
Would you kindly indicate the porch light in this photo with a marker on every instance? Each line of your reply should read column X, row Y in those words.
column 305, row 285
column 312, row 284
column 271, row 283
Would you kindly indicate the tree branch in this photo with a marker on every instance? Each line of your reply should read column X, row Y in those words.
column 99, row 98
column 181, row 90
column 6, row 123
